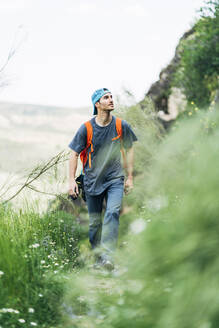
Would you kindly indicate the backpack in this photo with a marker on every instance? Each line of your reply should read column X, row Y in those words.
column 84, row 153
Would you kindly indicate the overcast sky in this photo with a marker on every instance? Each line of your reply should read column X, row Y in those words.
column 71, row 47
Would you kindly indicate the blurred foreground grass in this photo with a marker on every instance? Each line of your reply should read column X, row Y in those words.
column 167, row 273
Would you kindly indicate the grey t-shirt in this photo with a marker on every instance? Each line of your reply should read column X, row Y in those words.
column 106, row 157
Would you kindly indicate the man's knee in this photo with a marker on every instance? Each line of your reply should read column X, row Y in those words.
column 112, row 215
column 95, row 220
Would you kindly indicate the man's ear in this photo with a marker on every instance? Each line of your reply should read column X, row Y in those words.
column 97, row 104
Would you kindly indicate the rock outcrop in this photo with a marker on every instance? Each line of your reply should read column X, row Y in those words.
column 168, row 100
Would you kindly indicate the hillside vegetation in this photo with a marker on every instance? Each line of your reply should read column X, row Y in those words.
column 198, row 70
column 191, row 79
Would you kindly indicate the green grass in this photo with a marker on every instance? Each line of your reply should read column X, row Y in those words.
column 36, row 252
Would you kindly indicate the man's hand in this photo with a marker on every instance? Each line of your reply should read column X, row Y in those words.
column 128, row 185
column 73, row 189
column 73, row 162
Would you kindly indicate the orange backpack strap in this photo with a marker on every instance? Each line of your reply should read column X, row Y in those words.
column 83, row 154
column 119, row 132
column 118, row 129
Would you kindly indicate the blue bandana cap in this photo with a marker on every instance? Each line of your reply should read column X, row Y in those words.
column 97, row 95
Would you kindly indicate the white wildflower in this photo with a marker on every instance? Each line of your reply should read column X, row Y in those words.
column 33, row 324
column 5, row 310
column 10, row 310
column 138, row 225
column 21, row 320
column 42, row 262
column 31, row 310
column 1, row 273
column 40, row 295
column 34, row 245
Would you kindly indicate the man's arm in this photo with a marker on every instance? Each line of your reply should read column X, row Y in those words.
column 130, row 166
column 73, row 163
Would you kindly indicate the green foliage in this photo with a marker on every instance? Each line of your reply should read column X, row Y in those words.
column 167, row 276
column 147, row 129
column 198, row 70
column 35, row 251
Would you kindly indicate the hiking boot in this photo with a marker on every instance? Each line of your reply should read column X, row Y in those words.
column 108, row 265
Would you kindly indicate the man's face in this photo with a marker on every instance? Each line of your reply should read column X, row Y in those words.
column 105, row 103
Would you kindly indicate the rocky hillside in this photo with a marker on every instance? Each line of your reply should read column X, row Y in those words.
column 168, row 101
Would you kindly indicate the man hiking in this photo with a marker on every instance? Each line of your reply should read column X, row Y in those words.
column 100, row 143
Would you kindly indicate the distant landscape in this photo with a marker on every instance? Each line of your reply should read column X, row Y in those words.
column 32, row 133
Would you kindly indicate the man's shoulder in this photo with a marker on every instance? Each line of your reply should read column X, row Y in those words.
column 124, row 124
column 118, row 118
column 82, row 129
column 92, row 121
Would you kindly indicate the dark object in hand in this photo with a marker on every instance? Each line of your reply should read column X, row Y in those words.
column 80, row 183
